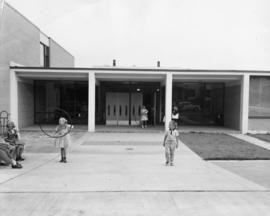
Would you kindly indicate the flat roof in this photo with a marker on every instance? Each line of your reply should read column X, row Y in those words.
column 156, row 69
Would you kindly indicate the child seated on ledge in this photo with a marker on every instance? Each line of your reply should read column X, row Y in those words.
column 13, row 138
column 7, row 155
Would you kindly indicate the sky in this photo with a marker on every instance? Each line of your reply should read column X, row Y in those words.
column 197, row 34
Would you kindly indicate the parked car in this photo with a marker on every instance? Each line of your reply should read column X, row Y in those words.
column 188, row 106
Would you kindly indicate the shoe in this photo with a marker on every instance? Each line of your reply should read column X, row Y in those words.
column 64, row 160
column 167, row 163
column 3, row 164
column 171, row 164
column 17, row 166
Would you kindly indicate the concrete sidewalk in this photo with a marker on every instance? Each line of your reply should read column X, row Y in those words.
column 124, row 174
column 125, row 167
column 252, row 140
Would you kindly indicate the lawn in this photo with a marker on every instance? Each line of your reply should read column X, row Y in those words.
column 223, row 147
column 264, row 137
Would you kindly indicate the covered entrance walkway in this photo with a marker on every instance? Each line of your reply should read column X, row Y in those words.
column 160, row 129
column 120, row 102
column 120, row 98
column 113, row 97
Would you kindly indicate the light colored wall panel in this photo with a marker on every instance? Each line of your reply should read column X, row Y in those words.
column 259, row 125
column 19, row 42
column 25, row 104
column 59, row 57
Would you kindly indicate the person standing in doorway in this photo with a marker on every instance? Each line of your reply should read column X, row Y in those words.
column 144, row 117
column 175, row 115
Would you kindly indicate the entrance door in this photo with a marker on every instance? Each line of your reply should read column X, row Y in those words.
column 117, row 105
column 122, row 110
column 136, row 105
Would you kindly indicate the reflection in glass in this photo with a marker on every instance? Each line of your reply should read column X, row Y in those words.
column 199, row 103
column 70, row 96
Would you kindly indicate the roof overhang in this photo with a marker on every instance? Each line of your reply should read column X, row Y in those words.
column 139, row 74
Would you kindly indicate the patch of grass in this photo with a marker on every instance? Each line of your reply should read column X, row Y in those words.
column 223, row 147
column 263, row 137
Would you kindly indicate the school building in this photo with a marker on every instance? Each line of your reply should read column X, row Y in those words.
column 43, row 78
column 23, row 43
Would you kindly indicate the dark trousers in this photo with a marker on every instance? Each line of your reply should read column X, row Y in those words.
column 5, row 155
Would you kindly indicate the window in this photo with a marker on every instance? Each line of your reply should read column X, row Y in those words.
column 120, row 110
column 44, row 55
column 109, row 109
column 259, row 100
column 126, row 110
column 199, row 103
column 114, row 110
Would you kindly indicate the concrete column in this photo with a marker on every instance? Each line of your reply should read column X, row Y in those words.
column 168, row 100
column 91, row 101
column 244, row 103
column 14, row 98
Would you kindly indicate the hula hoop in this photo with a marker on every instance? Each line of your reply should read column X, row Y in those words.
column 69, row 130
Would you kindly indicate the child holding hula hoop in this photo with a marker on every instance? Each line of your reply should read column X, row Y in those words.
column 63, row 141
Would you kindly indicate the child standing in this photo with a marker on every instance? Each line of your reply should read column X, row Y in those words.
column 144, row 117
column 171, row 143
column 62, row 130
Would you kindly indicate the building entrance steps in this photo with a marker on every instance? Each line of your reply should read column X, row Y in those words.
column 123, row 166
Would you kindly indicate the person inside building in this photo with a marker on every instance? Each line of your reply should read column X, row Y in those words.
column 175, row 115
column 144, row 117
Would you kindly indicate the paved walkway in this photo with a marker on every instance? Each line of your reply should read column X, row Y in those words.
column 255, row 170
column 252, row 140
column 124, row 174
column 138, row 129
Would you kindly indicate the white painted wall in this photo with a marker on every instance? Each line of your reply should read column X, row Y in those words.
column 91, row 101
column 168, row 99
column 244, row 103
column 25, row 104
column 13, row 97
column 19, row 42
